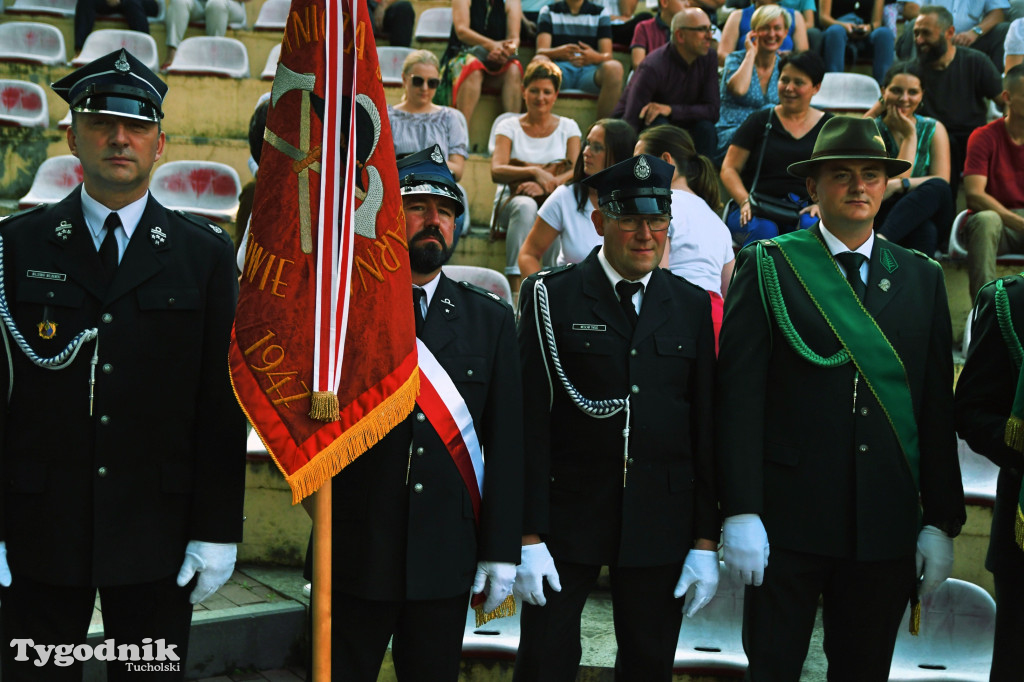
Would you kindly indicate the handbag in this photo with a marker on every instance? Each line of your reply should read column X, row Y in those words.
column 514, row 189
column 783, row 212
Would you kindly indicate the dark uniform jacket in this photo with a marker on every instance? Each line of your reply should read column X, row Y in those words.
column 575, row 497
column 403, row 519
column 112, row 498
column 984, row 397
column 811, row 451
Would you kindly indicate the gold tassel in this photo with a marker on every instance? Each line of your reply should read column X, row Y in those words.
column 359, row 438
column 323, row 407
column 505, row 609
column 1014, row 435
column 1018, row 529
column 915, row 618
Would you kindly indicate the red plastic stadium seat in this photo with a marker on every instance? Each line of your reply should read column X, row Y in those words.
column 55, row 178
column 32, row 42
column 23, row 105
column 206, row 188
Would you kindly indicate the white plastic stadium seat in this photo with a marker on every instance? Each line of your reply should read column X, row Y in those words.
column 211, row 56
column 712, row 641
column 494, row 127
column 391, row 60
column 485, row 278
column 498, row 638
column 435, row 23
column 273, row 15
column 205, row 188
column 23, row 105
column 33, row 42
column 846, row 92
column 140, row 45
column 956, row 249
column 61, row 8
column 65, row 122
column 55, row 177
column 270, row 70
column 979, row 474
column 955, row 643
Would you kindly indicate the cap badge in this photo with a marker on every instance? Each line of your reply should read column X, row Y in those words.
column 436, row 155
column 641, row 171
column 158, row 236
column 63, row 230
column 122, row 65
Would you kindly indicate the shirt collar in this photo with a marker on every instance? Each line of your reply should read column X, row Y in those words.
column 430, row 287
column 835, row 246
column 96, row 214
column 614, row 277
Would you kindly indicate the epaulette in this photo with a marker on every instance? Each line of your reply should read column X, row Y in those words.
column 924, row 255
column 19, row 214
column 468, row 286
column 550, row 272
column 205, row 224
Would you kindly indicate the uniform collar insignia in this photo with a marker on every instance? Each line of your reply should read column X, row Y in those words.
column 63, row 230
column 158, row 236
column 888, row 261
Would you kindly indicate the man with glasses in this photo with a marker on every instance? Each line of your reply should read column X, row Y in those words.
column 678, row 83
column 619, row 468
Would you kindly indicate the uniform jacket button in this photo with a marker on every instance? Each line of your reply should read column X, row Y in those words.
column 418, row 487
column 101, row 472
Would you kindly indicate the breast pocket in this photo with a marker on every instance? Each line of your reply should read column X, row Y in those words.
column 52, row 308
column 676, row 353
column 170, row 320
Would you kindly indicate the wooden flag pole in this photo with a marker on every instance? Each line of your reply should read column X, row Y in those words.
column 321, row 602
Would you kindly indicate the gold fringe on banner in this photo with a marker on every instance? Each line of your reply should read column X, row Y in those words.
column 1014, row 435
column 1018, row 529
column 362, row 436
column 915, row 617
column 323, row 407
column 505, row 609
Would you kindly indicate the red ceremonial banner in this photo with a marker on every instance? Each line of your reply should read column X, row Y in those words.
column 324, row 325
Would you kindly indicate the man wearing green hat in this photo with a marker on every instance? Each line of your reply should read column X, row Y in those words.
column 834, row 424
column 989, row 413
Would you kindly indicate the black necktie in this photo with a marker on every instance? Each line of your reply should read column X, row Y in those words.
column 108, row 249
column 851, row 262
column 418, row 295
column 625, row 290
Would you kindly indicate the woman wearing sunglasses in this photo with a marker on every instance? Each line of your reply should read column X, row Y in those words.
column 418, row 123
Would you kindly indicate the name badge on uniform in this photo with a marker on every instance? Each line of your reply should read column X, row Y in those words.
column 40, row 274
column 579, row 327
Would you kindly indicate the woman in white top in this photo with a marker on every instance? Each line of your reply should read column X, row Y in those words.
column 533, row 154
column 699, row 244
column 565, row 216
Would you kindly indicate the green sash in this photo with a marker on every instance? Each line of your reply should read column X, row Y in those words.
column 862, row 339
column 1014, row 435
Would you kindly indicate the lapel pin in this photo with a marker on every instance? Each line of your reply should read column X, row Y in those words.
column 47, row 329
column 158, row 236
column 884, row 284
column 63, row 230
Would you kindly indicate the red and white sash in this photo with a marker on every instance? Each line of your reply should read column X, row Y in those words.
column 448, row 413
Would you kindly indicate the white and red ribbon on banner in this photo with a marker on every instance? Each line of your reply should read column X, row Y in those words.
column 448, row 413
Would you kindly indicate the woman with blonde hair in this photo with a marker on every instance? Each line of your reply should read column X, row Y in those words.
column 699, row 246
column 418, row 123
column 533, row 155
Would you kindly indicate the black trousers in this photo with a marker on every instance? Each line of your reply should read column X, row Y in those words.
column 863, row 604
column 135, row 11
column 646, row 617
column 1006, row 664
column 57, row 615
column 426, row 637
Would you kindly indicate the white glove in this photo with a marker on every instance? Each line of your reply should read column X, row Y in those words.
column 535, row 565
column 700, row 569
column 745, row 545
column 498, row 577
column 213, row 560
column 5, row 570
column 934, row 558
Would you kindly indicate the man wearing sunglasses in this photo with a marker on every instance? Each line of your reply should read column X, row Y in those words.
column 619, row 468
column 678, row 83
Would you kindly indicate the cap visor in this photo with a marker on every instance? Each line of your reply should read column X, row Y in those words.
column 118, row 106
column 438, row 191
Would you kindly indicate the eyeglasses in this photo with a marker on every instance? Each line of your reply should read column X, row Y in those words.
column 432, row 83
column 630, row 223
column 701, row 29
